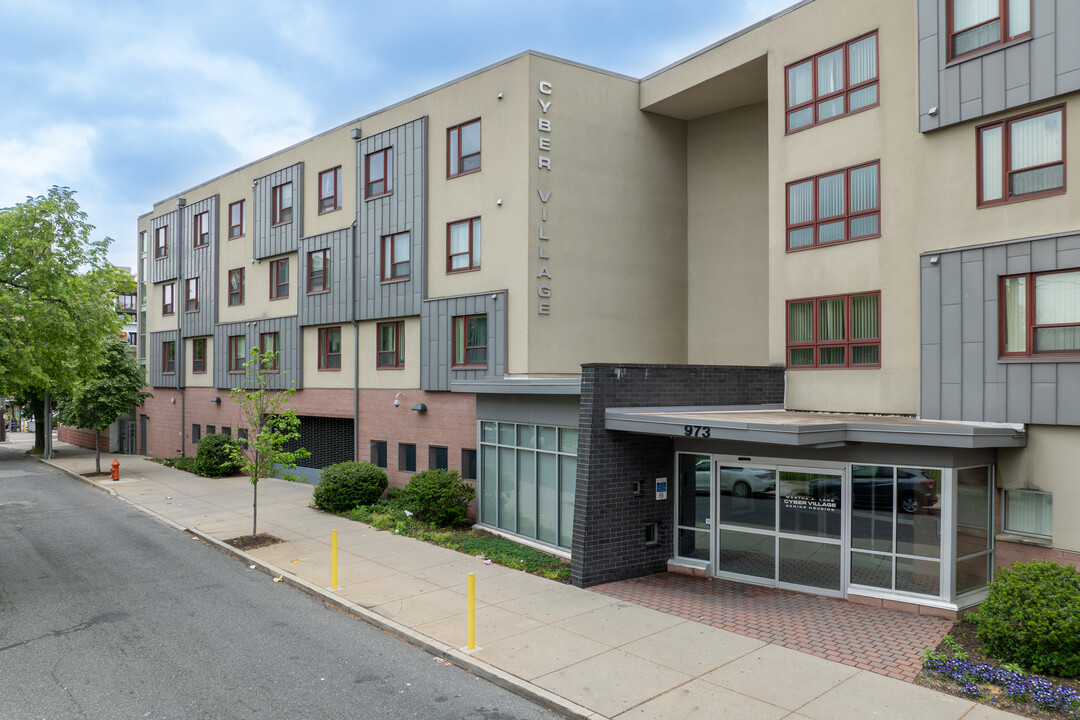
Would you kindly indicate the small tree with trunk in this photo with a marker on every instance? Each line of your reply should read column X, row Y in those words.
column 114, row 389
column 271, row 426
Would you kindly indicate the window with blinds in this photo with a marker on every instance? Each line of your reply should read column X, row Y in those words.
column 834, row 83
column 1029, row 513
column 978, row 24
column 840, row 331
column 1022, row 158
column 834, row 207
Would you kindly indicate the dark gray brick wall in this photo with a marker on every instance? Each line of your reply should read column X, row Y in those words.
column 609, row 519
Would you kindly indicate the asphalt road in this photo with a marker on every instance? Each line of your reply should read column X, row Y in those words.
column 106, row 612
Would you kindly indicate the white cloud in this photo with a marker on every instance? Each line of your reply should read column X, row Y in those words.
column 57, row 154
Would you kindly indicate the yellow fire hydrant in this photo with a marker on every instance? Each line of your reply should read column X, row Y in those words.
column 115, row 469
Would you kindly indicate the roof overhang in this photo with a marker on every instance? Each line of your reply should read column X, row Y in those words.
column 772, row 425
column 520, row 385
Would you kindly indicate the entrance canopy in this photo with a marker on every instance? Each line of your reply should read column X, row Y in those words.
column 774, row 425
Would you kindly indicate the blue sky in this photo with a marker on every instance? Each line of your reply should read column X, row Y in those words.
column 130, row 102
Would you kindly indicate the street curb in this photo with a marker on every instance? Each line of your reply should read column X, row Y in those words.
column 489, row 672
column 77, row 476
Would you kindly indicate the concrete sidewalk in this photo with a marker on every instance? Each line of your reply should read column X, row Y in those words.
column 583, row 654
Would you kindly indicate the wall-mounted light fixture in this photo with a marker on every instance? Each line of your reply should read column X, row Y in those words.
column 398, row 398
column 420, row 408
column 934, row 259
column 215, row 400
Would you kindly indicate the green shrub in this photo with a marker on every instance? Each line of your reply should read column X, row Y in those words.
column 348, row 485
column 181, row 463
column 1031, row 616
column 439, row 497
column 216, row 457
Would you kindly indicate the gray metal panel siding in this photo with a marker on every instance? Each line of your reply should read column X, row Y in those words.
column 271, row 240
column 963, row 377
column 437, row 338
column 403, row 210
column 166, row 268
column 335, row 305
column 154, row 360
column 289, row 367
column 1044, row 66
column 199, row 262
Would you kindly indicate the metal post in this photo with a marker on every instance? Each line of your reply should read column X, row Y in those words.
column 333, row 559
column 472, row 611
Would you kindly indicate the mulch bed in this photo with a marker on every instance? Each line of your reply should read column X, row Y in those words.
column 964, row 634
column 247, row 542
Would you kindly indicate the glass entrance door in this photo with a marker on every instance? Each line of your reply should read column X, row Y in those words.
column 781, row 525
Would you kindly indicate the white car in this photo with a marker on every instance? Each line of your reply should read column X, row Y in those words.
column 740, row 482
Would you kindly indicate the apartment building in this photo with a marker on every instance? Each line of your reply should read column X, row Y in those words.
column 798, row 310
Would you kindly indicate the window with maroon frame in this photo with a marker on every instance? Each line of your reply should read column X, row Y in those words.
column 200, row 227
column 330, row 190
column 391, row 352
column 168, row 356
column 318, row 276
column 979, row 24
column 834, row 207
column 833, row 83
column 283, row 203
column 168, row 298
column 191, row 295
column 395, row 257
column 330, row 348
column 236, row 286
column 834, row 332
column 463, row 148
column 470, row 341
column 1022, row 158
column 236, row 219
column 268, row 351
column 463, row 245
column 198, row 355
column 378, row 169
column 279, row 279
column 161, row 242
column 237, row 353
column 1040, row 313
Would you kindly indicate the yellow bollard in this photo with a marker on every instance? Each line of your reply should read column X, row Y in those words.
column 472, row 611
column 333, row 559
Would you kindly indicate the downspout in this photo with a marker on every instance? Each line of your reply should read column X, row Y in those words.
column 356, row 359
column 181, row 309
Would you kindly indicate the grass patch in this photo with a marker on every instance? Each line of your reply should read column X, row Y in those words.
column 392, row 516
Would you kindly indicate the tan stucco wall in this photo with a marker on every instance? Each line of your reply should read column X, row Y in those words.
column 1048, row 464
column 316, row 378
column 205, row 379
column 617, row 223
column 389, row 378
column 728, row 238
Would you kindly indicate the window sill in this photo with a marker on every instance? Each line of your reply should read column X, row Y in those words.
column 1019, row 199
column 461, row 174
column 960, row 59
column 463, row 270
column 279, row 224
column 331, row 210
column 834, row 242
column 390, row 367
column 376, row 197
column 318, row 292
column 279, row 297
column 322, row 369
column 1039, row 359
column 394, row 280
column 236, row 237
column 469, row 367
column 833, row 118
column 1025, row 539
column 191, row 311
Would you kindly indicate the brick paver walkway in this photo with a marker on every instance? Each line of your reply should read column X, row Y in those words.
column 887, row 642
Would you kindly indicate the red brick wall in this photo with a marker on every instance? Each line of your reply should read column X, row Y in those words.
column 1006, row 553
column 82, row 438
column 450, row 420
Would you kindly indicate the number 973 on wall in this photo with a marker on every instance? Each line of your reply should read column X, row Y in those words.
column 695, row 431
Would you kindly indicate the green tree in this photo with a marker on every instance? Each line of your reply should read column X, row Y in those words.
column 271, row 426
column 112, row 391
column 57, row 298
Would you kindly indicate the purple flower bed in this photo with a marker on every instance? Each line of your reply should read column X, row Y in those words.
column 1019, row 687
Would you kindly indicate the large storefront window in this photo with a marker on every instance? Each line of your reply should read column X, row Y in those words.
column 879, row 530
column 528, row 477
